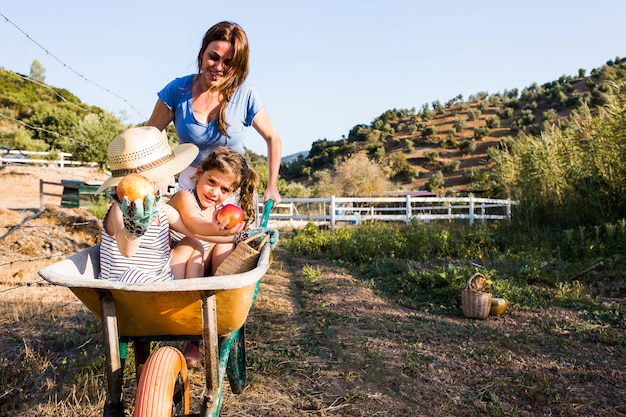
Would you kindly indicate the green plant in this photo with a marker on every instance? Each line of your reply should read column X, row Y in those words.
column 310, row 273
column 98, row 206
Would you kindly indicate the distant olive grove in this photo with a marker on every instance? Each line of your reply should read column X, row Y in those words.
column 514, row 114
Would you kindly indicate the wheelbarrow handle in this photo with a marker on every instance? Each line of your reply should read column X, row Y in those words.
column 266, row 212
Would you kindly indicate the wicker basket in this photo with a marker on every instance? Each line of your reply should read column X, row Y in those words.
column 476, row 298
column 244, row 258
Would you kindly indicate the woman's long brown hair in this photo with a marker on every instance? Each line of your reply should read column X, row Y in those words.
column 238, row 71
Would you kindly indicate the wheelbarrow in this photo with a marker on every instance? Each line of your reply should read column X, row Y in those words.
column 213, row 309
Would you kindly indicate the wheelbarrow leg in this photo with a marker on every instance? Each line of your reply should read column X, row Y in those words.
column 211, row 352
column 236, row 368
column 114, row 406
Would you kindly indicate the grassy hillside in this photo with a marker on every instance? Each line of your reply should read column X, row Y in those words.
column 450, row 140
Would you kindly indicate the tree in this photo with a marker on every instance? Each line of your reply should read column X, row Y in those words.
column 428, row 132
column 400, row 169
column 493, row 122
column 37, row 71
column 323, row 184
column 436, row 182
column 359, row 176
column 54, row 123
column 468, row 146
column 90, row 138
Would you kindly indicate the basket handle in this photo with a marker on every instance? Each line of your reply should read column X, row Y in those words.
column 469, row 281
column 265, row 237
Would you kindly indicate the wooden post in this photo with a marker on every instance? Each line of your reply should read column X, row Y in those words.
column 508, row 208
column 113, row 406
column 408, row 209
column 332, row 211
column 40, row 194
column 211, row 348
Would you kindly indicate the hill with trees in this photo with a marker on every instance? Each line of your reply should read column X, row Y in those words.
column 447, row 147
column 444, row 147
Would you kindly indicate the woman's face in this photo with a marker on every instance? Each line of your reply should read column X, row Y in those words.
column 216, row 61
column 213, row 187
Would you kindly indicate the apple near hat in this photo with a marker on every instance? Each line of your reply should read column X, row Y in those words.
column 145, row 150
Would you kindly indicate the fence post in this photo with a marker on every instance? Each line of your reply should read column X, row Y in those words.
column 508, row 208
column 40, row 194
column 332, row 211
column 408, row 209
column 471, row 209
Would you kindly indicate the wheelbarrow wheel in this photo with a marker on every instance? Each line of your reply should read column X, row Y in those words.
column 163, row 389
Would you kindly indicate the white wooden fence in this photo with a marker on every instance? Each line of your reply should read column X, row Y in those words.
column 334, row 211
column 15, row 157
column 342, row 210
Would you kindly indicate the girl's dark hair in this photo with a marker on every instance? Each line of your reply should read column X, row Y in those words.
column 247, row 180
column 238, row 71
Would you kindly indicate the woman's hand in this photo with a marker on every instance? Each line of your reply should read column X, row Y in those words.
column 271, row 193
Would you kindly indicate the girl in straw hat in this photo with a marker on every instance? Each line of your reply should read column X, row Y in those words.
column 135, row 244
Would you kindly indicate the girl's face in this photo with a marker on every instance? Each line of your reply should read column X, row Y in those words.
column 213, row 187
column 216, row 61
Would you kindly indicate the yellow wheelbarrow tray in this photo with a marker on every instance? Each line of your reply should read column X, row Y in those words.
column 213, row 308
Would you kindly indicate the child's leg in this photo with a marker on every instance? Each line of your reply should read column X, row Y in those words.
column 187, row 259
column 219, row 253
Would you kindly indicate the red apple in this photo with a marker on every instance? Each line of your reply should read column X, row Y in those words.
column 135, row 187
column 231, row 212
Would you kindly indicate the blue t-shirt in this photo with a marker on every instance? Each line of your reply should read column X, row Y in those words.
column 240, row 111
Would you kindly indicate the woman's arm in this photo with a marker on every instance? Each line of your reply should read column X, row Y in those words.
column 264, row 126
column 161, row 116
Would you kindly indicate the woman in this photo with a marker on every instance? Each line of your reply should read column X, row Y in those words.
column 215, row 106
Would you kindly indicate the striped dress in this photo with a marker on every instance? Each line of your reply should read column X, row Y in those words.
column 151, row 262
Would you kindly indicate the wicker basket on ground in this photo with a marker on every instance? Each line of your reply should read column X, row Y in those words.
column 476, row 298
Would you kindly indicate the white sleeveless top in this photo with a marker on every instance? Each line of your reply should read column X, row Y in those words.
column 151, row 262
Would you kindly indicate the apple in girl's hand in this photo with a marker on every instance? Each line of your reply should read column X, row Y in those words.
column 135, row 187
column 231, row 212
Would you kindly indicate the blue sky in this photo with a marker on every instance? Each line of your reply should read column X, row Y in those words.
column 321, row 67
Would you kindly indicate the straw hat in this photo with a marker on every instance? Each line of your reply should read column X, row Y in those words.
column 145, row 150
